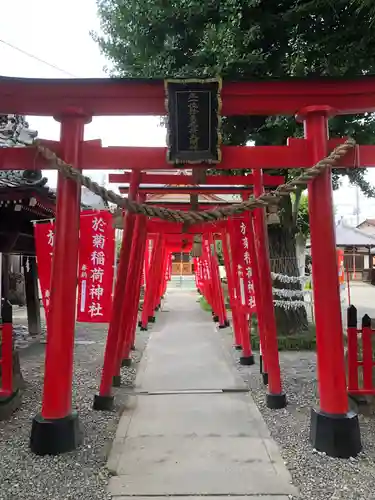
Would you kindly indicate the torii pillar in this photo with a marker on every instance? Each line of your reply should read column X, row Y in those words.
column 275, row 398
column 55, row 430
column 334, row 429
column 104, row 400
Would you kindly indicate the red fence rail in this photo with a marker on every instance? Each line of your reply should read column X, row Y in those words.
column 360, row 355
column 6, row 360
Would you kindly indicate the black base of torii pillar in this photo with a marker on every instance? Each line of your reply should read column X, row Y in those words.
column 53, row 437
column 336, row 435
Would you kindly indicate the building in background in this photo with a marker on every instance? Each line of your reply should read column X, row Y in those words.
column 367, row 226
column 182, row 262
column 358, row 246
column 25, row 198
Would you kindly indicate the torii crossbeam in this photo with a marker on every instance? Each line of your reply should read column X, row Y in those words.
column 298, row 154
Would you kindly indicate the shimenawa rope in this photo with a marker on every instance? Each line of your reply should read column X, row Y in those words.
column 192, row 217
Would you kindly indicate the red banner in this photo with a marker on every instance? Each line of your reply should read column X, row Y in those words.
column 242, row 262
column 96, row 267
column 200, row 269
column 146, row 262
column 44, row 238
column 206, row 270
column 198, row 272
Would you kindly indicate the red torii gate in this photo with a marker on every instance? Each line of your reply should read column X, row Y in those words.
column 228, row 185
column 74, row 102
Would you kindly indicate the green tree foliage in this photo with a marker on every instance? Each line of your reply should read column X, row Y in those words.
column 249, row 39
column 302, row 222
column 246, row 39
column 369, row 6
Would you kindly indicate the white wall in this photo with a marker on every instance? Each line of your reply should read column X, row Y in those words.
column 366, row 262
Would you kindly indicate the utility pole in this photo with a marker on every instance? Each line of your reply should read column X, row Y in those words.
column 357, row 209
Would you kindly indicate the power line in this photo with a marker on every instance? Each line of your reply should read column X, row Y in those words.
column 37, row 58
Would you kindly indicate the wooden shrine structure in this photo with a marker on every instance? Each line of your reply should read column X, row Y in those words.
column 24, row 197
column 175, row 191
column 194, row 144
column 171, row 191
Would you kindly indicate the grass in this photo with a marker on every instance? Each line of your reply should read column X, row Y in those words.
column 304, row 341
column 206, row 306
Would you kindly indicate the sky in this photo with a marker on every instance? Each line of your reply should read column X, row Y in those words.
column 74, row 52
column 59, row 33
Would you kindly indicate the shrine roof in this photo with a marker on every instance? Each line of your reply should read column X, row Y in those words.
column 371, row 222
column 18, row 185
column 21, row 178
column 17, row 181
column 185, row 198
column 351, row 236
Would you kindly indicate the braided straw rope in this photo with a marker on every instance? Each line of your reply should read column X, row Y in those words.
column 191, row 217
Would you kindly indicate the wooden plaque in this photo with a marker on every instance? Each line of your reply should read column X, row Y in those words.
column 194, row 108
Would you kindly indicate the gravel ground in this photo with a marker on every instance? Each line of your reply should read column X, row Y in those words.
column 317, row 476
column 21, row 336
column 78, row 475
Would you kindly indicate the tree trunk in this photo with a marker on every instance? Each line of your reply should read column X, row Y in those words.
column 284, row 261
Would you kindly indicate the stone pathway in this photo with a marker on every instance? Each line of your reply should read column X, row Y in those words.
column 190, row 427
column 362, row 296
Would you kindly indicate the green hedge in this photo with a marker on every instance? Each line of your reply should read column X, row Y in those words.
column 204, row 304
column 306, row 341
column 303, row 341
